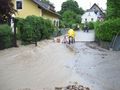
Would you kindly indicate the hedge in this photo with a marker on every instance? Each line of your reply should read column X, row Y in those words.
column 107, row 29
column 34, row 28
column 5, row 36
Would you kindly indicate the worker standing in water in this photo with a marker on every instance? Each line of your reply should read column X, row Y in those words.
column 71, row 36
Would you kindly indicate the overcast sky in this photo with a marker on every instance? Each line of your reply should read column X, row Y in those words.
column 85, row 4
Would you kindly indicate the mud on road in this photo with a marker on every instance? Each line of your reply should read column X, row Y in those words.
column 98, row 67
column 53, row 65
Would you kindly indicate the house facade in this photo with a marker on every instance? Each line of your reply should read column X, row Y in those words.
column 93, row 14
column 36, row 7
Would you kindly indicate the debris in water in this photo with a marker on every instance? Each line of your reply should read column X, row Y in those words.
column 73, row 87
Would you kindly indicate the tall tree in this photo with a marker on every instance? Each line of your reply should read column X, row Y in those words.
column 113, row 9
column 71, row 5
column 71, row 13
column 69, row 18
column 6, row 10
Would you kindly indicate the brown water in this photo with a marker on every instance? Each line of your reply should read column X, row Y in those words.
column 51, row 65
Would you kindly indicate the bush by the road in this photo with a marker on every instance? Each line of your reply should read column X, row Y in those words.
column 91, row 25
column 34, row 28
column 82, row 26
column 107, row 29
column 5, row 36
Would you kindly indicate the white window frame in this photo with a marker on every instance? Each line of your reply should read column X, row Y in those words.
column 16, row 4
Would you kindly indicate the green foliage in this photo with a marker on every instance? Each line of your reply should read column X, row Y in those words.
column 47, row 29
column 91, row 25
column 78, row 19
column 82, row 26
column 5, row 36
column 75, row 27
column 57, row 32
column 20, row 23
column 71, row 13
column 61, row 24
column 113, row 9
column 72, row 6
column 69, row 18
column 34, row 28
column 81, row 11
column 106, row 30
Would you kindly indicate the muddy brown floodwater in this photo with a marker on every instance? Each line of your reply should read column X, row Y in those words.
column 98, row 67
column 51, row 65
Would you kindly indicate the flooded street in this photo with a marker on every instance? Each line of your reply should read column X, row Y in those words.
column 51, row 65
column 97, row 67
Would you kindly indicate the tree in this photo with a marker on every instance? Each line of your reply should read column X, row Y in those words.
column 113, row 9
column 71, row 5
column 81, row 11
column 69, row 18
column 6, row 10
column 78, row 19
column 71, row 13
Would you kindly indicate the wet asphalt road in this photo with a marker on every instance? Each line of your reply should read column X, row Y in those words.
column 97, row 67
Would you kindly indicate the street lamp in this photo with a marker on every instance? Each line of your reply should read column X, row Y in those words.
column 14, row 33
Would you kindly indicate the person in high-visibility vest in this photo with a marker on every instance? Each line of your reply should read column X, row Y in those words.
column 71, row 34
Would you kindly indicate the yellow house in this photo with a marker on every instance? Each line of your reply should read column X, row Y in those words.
column 36, row 7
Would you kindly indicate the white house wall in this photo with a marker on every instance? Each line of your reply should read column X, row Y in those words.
column 89, row 16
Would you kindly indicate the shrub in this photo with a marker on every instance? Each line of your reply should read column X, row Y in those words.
column 34, row 28
column 61, row 24
column 75, row 27
column 48, row 29
column 91, row 25
column 82, row 26
column 107, row 29
column 20, row 20
column 5, row 36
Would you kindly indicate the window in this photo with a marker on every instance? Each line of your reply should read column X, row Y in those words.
column 96, row 12
column 86, row 19
column 19, row 4
column 92, row 19
column 57, row 23
column 54, row 23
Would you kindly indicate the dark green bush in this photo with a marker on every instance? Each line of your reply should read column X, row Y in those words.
column 34, row 28
column 91, row 25
column 5, row 36
column 107, row 29
column 20, row 23
column 48, row 29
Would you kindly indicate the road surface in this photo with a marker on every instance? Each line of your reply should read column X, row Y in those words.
column 51, row 65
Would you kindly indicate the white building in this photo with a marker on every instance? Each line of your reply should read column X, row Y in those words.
column 93, row 14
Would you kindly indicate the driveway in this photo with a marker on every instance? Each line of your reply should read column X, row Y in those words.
column 84, row 36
